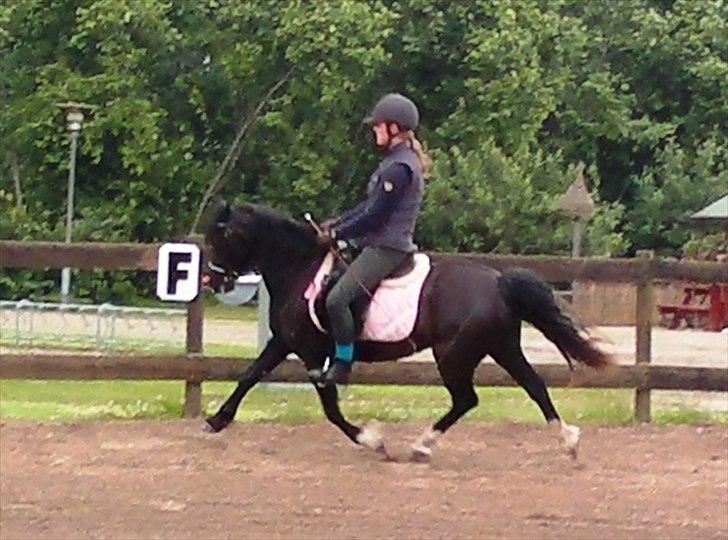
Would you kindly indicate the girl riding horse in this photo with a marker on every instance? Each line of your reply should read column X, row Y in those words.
column 383, row 225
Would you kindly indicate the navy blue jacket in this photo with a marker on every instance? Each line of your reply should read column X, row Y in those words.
column 394, row 196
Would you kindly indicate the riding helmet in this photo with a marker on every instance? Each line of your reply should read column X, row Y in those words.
column 395, row 108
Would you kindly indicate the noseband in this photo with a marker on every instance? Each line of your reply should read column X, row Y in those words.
column 225, row 278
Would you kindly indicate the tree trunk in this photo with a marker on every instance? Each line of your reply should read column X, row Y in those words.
column 15, row 168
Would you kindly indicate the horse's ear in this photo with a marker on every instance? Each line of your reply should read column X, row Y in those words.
column 223, row 214
column 226, row 211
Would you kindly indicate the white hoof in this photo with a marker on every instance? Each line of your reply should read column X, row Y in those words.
column 570, row 438
column 422, row 447
column 370, row 436
column 420, row 456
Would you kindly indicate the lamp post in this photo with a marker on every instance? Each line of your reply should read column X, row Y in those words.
column 75, row 115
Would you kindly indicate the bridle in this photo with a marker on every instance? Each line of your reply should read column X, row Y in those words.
column 226, row 277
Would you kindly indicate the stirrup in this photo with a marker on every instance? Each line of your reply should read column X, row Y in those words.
column 338, row 373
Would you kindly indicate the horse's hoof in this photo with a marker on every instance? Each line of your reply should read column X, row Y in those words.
column 570, row 436
column 216, row 424
column 370, row 436
column 573, row 452
column 384, row 453
column 420, row 456
column 422, row 448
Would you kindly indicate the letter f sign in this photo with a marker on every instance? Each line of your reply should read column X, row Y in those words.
column 178, row 272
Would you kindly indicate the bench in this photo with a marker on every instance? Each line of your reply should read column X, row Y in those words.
column 702, row 307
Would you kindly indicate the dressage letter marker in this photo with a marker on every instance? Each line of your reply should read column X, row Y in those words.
column 178, row 272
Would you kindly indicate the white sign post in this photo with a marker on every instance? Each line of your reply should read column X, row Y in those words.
column 178, row 272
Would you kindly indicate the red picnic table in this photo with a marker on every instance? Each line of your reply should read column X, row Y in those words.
column 703, row 307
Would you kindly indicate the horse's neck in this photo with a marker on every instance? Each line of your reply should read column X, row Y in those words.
column 285, row 253
column 282, row 276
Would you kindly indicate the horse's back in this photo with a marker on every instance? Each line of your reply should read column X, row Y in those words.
column 458, row 291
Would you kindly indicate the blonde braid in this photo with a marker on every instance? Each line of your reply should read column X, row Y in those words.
column 425, row 160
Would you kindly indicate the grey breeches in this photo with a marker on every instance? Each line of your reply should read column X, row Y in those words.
column 369, row 269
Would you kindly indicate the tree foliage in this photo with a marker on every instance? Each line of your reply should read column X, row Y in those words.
column 513, row 93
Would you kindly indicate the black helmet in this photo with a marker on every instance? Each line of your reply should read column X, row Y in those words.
column 395, row 108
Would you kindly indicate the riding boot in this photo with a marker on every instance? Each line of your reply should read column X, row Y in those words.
column 340, row 368
column 338, row 373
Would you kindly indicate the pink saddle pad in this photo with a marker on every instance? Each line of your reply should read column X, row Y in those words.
column 392, row 312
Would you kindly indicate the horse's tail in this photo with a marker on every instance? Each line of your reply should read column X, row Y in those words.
column 532, row 300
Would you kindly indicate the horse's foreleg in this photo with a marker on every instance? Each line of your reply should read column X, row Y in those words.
column 367, row 436
column 274, row 353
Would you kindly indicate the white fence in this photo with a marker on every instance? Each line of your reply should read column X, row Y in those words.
column 95, row 327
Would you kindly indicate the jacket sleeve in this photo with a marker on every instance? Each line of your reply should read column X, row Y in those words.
column 350, row 214
column 379, row 205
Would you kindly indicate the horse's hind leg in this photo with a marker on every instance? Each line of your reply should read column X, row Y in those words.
column 456, row 364
column 514, row 362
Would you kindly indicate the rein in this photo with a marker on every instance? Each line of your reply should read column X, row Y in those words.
column 220, row 270
column 228, row 277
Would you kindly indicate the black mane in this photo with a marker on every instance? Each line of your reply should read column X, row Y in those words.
column 268, row 229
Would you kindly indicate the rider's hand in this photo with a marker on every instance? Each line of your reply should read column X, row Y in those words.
column 325, row 239
column 327, row 225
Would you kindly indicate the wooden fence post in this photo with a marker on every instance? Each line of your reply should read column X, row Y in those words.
column 643, row 341
column 193, row 347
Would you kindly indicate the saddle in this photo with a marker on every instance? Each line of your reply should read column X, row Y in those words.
column 362, row 301
column 389, row 315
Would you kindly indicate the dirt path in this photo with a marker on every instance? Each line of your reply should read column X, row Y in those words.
column 169, row 480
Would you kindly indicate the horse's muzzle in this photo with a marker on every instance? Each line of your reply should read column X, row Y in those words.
column 218, row 282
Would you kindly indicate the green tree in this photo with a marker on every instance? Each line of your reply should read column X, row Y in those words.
column 513, row 93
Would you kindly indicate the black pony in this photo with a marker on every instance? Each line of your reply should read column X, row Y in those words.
column 466, row 311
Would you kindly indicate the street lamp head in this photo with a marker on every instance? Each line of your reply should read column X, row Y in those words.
column 74, row 119
column 76, row 113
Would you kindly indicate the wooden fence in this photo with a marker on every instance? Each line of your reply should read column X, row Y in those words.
column 195, row 368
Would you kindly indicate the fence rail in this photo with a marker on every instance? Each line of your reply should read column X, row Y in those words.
column 144, row 257
column 38, row 255
column 607, row 270
column 195, row 368
column 88, row 367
